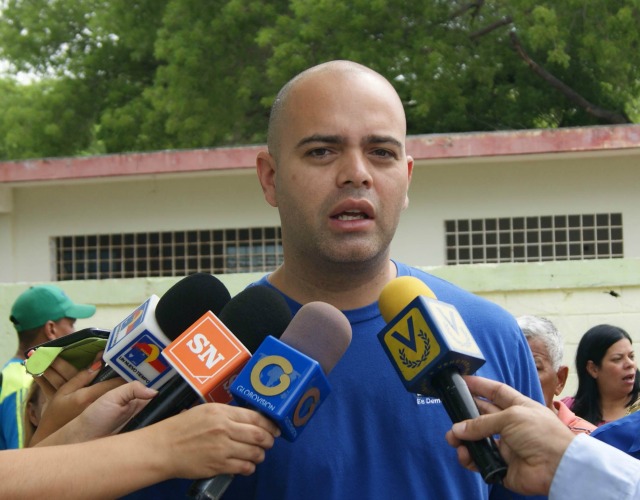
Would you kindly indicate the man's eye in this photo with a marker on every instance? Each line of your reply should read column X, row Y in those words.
column 384, row 153
column 318, row 152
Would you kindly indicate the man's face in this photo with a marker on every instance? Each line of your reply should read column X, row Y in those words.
column 547, row 375
column 342, row 175
column 64, row 326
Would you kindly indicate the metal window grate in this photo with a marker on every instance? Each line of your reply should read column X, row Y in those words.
column 534, row 239
column 177, row 253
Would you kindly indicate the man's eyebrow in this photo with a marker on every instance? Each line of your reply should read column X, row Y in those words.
column 326, row 139
column 382, row 139
column 336, row 139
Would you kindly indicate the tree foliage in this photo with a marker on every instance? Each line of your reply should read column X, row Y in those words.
column 135, row 75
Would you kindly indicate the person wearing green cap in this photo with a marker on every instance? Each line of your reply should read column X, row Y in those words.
column 39, row 314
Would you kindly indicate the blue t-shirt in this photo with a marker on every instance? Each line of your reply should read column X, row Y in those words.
column 373, row 439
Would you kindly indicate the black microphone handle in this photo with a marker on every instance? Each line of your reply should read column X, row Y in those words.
column 105, row 373
column 173, row 397
column 457, row 400
column 210, row 489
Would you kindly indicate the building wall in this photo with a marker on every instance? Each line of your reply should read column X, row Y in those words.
column 473, row 188
column 485, row 175
column 167, row 203
column 510, row 187
column 574, row 295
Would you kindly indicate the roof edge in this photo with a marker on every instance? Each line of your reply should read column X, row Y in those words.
column 420, row 147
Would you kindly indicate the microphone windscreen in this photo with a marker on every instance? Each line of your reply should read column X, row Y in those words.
column 255, row 313
column 188, row 300
column 396, row 294
column 320, row 331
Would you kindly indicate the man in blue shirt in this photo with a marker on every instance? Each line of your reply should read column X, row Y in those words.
column 338, row 172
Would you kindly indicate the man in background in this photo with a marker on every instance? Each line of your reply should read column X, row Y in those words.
column 547, row 348
column 39, row 314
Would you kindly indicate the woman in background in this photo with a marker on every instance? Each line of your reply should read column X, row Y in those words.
column 608, row 381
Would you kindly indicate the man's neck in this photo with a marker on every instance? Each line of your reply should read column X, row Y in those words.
column 349, row 287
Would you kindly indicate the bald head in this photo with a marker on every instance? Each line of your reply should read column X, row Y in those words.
column 325, row 71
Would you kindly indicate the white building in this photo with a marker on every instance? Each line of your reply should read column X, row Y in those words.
column 535, row 197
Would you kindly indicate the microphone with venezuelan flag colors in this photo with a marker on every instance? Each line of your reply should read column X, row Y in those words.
column 431, row 347
column 134, row 347
column 210, row 353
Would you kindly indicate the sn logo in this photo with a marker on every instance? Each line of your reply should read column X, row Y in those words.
column 206, row 351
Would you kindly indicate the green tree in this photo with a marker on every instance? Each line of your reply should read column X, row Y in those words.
column 133, row 75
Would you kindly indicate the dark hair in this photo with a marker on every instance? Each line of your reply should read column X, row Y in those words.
column 593, row 346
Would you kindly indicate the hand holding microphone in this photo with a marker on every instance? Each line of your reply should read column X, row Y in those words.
column 212, row 350
column 431, row 348
column 286, row 378
column 132, row 349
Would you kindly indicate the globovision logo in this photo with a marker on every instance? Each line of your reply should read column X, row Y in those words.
column 284, row 381
column 305, row 407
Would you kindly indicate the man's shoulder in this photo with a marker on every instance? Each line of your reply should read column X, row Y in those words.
column 14, row 377
column 465, row 300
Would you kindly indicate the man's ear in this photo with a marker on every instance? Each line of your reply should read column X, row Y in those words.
column 409, row 173
column 49, row 330
column 562, row 374
column 266, row 169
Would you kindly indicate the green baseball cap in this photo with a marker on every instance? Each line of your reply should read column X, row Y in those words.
column 42, row 303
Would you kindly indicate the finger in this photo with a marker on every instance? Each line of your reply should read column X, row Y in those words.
column 82, row 379
column 247, row 416
column 465, row 459
column 98, row 357
column 59, row 372
column 239, row 466
column 253, row 435
column 246, row 452
column 452, row 440
column 498, row 393
column 480, row 427
column 485, row 407
column 93, row 392
column 47, row 389
column 128, row 392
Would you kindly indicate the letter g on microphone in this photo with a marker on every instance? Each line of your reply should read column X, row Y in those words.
column 291, row 385
column 284, row 379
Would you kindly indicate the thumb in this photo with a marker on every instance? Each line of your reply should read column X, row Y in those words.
column 129, row 392
column 478, row 428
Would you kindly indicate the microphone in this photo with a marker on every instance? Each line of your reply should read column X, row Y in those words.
column 431, row 347
column 286, row 379
column 207, row 355
column 134, row 345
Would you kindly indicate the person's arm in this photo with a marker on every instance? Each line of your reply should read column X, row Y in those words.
column 105, row 416
column 543, row 455
column 205, row 441
column 532, row 438
column 604, row 472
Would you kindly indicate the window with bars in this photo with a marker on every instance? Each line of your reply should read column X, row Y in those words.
column 534, row 239
column 175, row 253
